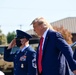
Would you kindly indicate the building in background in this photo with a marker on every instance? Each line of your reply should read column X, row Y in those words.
column 68, row 23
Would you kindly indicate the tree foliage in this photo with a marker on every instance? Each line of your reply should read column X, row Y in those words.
column 10, row 36
column 65, row 33
column 3, row 39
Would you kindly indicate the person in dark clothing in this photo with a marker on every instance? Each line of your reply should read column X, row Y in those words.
column 25, row 58
column 53, row 51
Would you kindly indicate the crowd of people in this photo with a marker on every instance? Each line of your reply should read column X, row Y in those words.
column 53, row 56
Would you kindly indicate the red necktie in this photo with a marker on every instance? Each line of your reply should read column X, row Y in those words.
column 40, row 56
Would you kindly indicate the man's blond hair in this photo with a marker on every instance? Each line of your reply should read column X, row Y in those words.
column 41, row 20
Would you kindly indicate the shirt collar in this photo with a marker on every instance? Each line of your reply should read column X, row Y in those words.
column 24, row 48
column 44, row 35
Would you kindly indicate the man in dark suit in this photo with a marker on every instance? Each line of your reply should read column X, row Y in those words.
column 25, row 58
column 53, row 52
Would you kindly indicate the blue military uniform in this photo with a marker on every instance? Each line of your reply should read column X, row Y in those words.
column 27, row 65
column 24, row 60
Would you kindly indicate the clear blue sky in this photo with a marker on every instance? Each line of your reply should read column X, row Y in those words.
column 14, row 13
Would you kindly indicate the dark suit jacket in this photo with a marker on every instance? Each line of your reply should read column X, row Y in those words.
column 55, row 50
column 74, row 56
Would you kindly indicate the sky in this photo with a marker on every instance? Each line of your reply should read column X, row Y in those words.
column 18, row 14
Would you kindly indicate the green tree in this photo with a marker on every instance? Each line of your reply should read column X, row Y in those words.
column 10, row 36
column 3, row 39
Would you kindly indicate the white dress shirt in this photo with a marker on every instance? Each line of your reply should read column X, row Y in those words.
column 44, row 36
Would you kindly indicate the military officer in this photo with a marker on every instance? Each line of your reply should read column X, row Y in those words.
column 24, row 58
